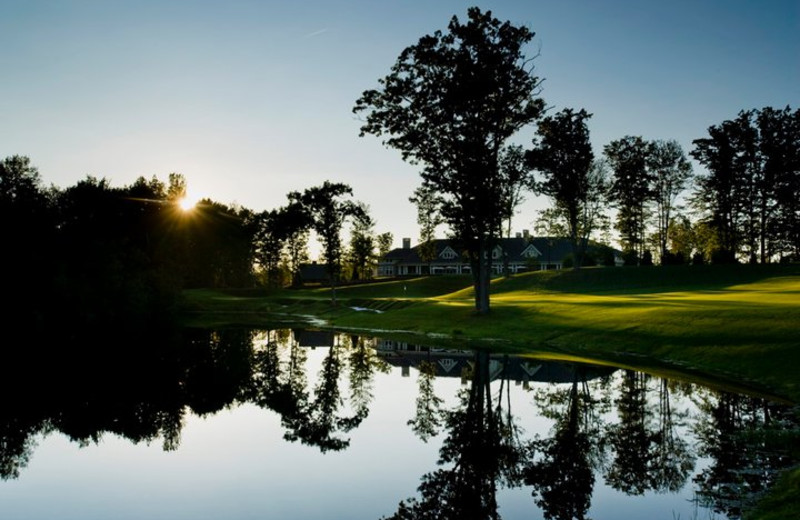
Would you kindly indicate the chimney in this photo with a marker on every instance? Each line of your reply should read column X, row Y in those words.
column 406, row 243
column 519, row 235
column 525, row 233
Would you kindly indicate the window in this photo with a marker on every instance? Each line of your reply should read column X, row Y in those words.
column 531, row 252
column 448, row 254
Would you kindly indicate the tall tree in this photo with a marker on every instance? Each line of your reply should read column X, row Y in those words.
column 328, row 208
column 298, row 224
column 778, row 193
column 361, row 254
column 670, row 170
column 428, row 219
column 450, row 103
column 630, row 189
column 570, row 178
column 724, row 192
column 516, row 177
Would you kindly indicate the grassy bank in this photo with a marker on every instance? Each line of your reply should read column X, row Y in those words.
column 733, row 323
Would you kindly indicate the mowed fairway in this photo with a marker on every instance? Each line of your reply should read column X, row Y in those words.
column 739, row 322
column 736, row 323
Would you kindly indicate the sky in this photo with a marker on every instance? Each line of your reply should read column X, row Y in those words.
column 250, row 100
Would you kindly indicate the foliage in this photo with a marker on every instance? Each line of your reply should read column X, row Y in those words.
column 750, row 193
column 572, row 179
column 630, row 189
column 671, row 171
column 449, row 104
column 328, row 208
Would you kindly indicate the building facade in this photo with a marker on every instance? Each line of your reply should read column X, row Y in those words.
column 513, row 255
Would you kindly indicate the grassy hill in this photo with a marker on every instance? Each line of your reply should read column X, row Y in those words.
column 735, row 323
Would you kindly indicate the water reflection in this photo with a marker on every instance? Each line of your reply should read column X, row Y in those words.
column 602, row 428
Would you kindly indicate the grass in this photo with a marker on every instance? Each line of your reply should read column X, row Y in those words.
column 734, row 327
column 728, row 323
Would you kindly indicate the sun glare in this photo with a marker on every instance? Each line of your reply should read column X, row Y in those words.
column 187, row 203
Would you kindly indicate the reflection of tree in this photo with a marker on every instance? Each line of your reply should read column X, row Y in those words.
column 319, row 423
column 743, row 436
column 363, row 362
column 646, row 456
column 427, row 420
column 16, row 443
column 672, row 456
column 562, row 473
column 479, row 454
column 220, row 368
column 631, row 439
column 315, row 418
column 277, row 385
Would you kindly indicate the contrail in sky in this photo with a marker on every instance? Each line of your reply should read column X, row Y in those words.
column 316, row 33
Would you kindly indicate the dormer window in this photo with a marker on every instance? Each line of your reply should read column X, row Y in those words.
column 531, row 252
column 497, row 253
column 448, row 254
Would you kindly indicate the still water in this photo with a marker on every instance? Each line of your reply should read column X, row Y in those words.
column 258, row 424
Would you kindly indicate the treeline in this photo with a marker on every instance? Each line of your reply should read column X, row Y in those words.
column 93, row 254
column 743, row 208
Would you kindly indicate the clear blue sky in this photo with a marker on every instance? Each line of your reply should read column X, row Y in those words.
column 252, row 99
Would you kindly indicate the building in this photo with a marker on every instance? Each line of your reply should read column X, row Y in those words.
column 519, row 254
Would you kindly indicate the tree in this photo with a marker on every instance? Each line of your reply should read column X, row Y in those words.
column 28, row 225
column 428, row 219
column 449, row 104
column 362, row 245
column 630, row 189
column 750, row 192
column 779, row 202
column 296, row 244
column 384, row 243
column 571, row 178
column 328, row 210
column 516, row 178
column 670, row 171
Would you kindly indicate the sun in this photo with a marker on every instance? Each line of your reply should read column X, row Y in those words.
column 187, row 203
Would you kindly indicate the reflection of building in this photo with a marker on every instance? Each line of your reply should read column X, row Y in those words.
column 313, row 338
column 459, row 363
column 520, row 254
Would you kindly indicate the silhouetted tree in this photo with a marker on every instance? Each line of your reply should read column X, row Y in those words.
column 572, row 179
column 269, row 242
column 450, row 104
column 28, row 225
column 630, row 189
column 749, row 193
column 516, row 178
column 428, row 219
column 361, row 253
column 670, row 170
column 329, row 209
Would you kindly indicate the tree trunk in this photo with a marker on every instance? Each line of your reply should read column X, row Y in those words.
column 484, row 268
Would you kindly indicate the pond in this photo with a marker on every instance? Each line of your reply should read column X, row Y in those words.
column 243, row 424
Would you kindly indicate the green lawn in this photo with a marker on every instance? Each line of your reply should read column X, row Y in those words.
column 731, row 323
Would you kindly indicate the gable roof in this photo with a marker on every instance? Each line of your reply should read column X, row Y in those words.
column 549, row 249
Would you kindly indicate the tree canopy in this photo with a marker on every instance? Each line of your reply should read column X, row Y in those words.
column 449, row 104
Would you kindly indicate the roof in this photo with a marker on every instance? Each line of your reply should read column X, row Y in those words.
column 548, row 249
column 313, row 272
